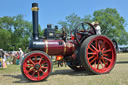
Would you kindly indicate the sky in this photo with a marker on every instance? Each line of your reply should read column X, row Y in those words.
column 53, row 11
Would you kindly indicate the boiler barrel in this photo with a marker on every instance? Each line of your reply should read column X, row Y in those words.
column 53, row 47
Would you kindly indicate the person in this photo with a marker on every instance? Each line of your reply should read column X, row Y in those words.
column 3, row 59
column 18, row 58
column 21, row 55
column 97, row 27
column 2, row 53
column 0, row 62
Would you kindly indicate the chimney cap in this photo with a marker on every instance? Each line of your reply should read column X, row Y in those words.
column 34, row 4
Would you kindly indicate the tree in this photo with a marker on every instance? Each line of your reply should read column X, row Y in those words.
column 5, row 36
column 16, row 31
column 87, row 18
column 112, row 24
column 71, row 22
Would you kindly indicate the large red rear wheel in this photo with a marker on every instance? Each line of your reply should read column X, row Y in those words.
column 36, row 66
column 98, row 55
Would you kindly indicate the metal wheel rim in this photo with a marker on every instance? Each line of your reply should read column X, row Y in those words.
column 30, row 70
column 104, row 62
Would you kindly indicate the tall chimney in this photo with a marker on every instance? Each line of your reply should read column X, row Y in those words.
column 35, row 21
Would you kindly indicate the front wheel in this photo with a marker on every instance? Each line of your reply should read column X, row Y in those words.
column 98, row 54
column 36, row 66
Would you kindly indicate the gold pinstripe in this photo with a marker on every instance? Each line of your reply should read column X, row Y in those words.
column 46, row 42
column 64, row 48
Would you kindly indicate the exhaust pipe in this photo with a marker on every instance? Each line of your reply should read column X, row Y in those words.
column 35, row 21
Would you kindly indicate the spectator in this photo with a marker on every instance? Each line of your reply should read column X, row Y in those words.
column 18, row 58
column 3, row 58
column 1, row 53
column 21, row 55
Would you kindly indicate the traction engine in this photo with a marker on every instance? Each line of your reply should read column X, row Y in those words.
column 83, row 51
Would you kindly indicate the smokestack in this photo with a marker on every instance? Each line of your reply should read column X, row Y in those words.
column 35, row 21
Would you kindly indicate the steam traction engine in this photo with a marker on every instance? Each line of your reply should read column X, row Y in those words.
column 83, row 51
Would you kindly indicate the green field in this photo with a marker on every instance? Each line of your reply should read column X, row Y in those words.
column 65, row 76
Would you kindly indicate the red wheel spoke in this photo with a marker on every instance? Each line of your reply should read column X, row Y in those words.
column 33, row 73
column 98, row 65
column 107, row 59
column 29, row 65
column 26, row 65
column 102, row 50
column 91, row 49
column 40, row 60
column 90, row 57
column 41, row 70
column 38, row 74
column 36, row 59
column 31, row 70
column 44, row 67
column 44, row 62
column 101, row 63
column 94, row 48
column 109, row 50
column 99, row 46
column 92, row 53
column 93, row 60
column 95, row 64
column 31, row 61
column 102, row 45
column 105, row 55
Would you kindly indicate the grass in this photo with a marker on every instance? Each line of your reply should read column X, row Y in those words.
column 65, row 76
column 10, row 69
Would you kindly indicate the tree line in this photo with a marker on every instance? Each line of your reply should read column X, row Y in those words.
column 15, row 32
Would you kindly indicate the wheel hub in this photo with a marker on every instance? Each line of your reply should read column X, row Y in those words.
column 100, row 54
column 37, row 67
